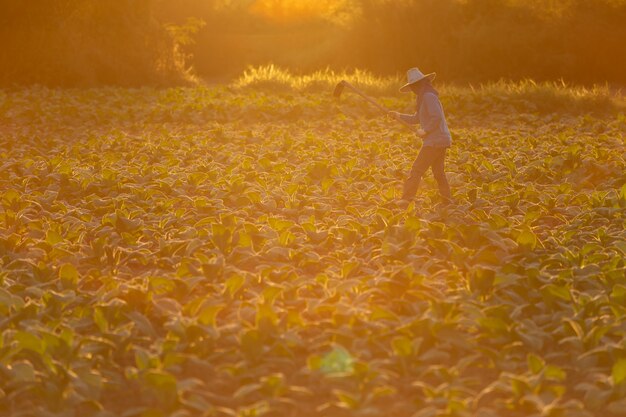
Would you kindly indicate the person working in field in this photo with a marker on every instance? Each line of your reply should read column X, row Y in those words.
column 434, row 133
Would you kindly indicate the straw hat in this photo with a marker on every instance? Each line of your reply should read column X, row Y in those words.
column 414, row 75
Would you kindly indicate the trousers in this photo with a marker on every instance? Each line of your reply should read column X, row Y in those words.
column 429, row 157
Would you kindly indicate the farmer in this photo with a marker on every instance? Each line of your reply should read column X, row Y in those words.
column 434, row 132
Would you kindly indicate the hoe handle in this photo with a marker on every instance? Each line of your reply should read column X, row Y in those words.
column 373, row 102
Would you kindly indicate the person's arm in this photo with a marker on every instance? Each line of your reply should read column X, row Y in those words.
column 434, row 114
column 412, row 119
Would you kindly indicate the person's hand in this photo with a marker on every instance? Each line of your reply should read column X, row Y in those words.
column 393, row 115
column 421, row 132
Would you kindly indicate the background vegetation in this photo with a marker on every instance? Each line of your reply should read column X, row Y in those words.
column 123, row 42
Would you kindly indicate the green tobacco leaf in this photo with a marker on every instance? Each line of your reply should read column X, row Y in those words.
column 250, row 342
column 11, row 199
column 164, row 384
column 196, row 402
column 520, row 386
column 580, row 333
column 314, row 362
column 270, row 293
column 100, row 319
column 245, row 390
column 346, row 399
column 161, row 380
column 29, row 341
column 348, row 267
column 336, row 361
column 493, row 324
column 402, row 346
column 554, row 373
column 142, row 359
column 265, row 314
column 557, row 291
column 618, row 294
column 8, row 300
column 274, row 383
column 379, row 313
column 23, row 371
column 162, row 285
column 255, row 410
column 482, row 279
column 535, row 363
column 222, row 236
column 233, row 284
column 142, row 324
column 527, row 239
column 53, row 237
column 208, row 314
column 68, row 275
column 622, row 193
column 618, row 373
column 124, row 224
column 621, row 245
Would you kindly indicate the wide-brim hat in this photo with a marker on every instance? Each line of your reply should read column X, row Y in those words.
column 413, row 76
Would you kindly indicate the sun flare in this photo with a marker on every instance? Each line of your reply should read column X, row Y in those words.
column 295, row 10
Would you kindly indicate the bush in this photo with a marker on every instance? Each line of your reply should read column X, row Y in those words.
column 85, row 42
column 481, row 40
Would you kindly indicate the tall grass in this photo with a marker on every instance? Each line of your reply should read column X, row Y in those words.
column 274, row 78
column 526, row 95
column 540, row 97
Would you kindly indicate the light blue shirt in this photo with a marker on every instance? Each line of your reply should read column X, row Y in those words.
column 432, row 120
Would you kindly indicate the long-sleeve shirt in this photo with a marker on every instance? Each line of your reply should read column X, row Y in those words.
column 432, row 120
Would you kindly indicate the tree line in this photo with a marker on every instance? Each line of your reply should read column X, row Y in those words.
column 165, row 42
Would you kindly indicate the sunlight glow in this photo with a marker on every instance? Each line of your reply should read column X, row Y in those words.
column 295, row 10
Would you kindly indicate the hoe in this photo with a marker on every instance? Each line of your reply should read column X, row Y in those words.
column 343, row 84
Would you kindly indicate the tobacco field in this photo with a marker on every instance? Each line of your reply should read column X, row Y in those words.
column 238, row 251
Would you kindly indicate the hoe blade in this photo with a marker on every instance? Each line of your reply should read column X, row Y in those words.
column 338, row 89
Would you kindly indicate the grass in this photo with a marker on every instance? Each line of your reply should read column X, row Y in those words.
column 273, row 78
column 525, row 95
